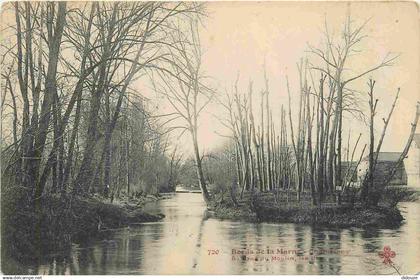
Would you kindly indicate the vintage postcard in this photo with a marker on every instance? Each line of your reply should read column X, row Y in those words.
column 210, row 138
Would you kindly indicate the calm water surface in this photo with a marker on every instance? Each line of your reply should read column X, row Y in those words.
column 180, row 244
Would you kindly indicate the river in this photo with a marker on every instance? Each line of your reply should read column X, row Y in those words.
column 187, row 241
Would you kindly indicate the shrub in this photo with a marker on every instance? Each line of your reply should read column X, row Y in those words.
column 392, row 195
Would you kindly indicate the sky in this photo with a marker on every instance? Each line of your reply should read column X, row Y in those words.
column 239, row 38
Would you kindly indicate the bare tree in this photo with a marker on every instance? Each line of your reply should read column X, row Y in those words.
column 188, row 96
column 335, row 58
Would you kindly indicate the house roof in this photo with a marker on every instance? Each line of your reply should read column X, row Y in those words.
column 386, row 156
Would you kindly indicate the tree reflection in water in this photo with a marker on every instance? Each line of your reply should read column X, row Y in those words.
column 180, row 244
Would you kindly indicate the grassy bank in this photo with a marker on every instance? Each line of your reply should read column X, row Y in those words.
column 263, row 208
column 31, row 230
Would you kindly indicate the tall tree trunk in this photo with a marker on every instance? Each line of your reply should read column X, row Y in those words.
column 199, row 167
column 321, row 158
column 69, row 162
column 368, row 182
column 254, row 139
column 269, row 174
column 85, row 170
column 49, row 94
column 339, row 134
column 263, row 163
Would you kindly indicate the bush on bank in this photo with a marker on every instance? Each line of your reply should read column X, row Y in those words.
column 33, row 229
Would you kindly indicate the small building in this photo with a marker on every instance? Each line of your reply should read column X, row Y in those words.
column 412, row 162
column 385, row 163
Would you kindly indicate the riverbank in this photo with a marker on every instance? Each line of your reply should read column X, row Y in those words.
column 101, row 216
column 61, row 221
column 264, row 209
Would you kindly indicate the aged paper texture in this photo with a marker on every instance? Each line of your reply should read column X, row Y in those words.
column 211, row 138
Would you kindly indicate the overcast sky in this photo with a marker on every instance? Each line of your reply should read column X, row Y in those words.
column 239, row 37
